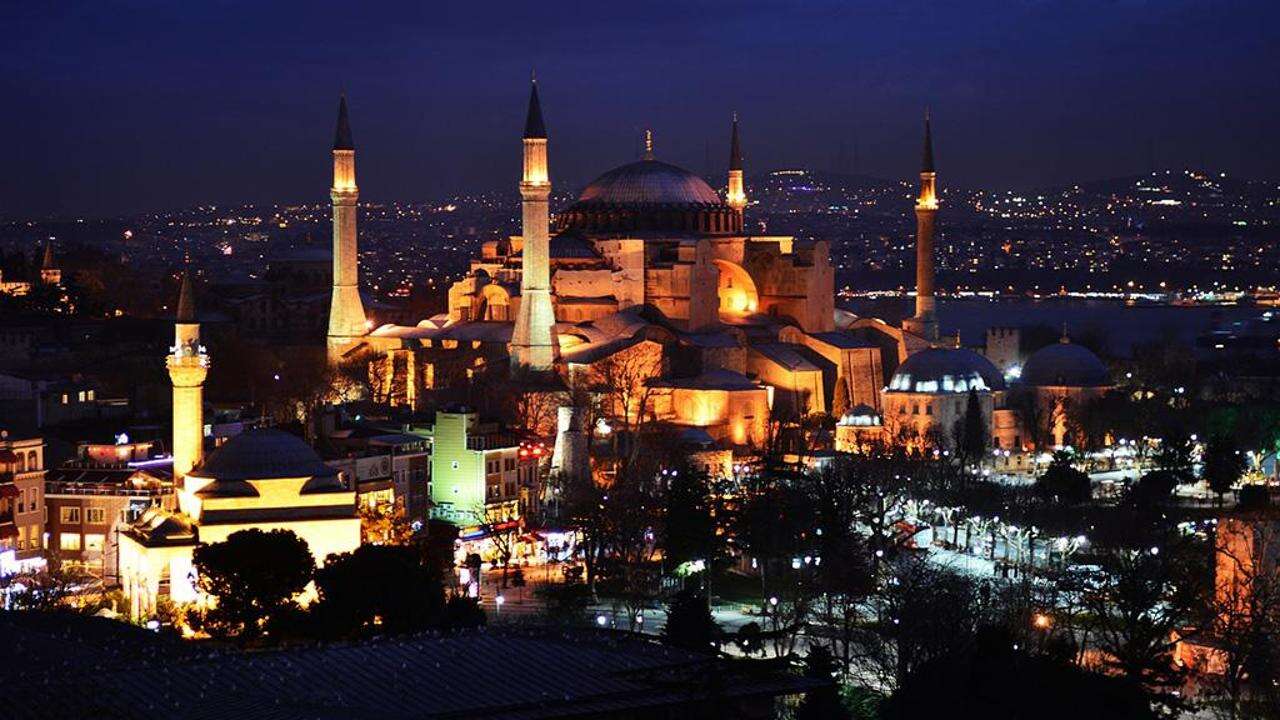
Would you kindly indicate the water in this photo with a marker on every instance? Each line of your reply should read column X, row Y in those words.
column 1122, row 325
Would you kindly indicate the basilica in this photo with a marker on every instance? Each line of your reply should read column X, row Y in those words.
column 653, row 276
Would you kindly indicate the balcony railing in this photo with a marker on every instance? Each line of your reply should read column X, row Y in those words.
column 104, row 489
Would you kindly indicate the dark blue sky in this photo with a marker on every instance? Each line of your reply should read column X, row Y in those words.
column 114, row 107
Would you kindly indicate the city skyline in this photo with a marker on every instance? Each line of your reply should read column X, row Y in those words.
column 437, row 100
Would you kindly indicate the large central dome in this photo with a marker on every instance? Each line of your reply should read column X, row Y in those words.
column 649, row 182
column 649, row 198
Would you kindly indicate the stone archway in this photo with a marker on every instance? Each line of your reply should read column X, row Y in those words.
column 736, row 290
column 495, row 303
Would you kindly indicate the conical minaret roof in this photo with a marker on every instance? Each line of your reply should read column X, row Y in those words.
column 735, row 149
column 926, row 162
column 342, row 136
column 186, row 300
column 534, row 127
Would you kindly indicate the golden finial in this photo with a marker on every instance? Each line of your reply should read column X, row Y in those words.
column 648, row 144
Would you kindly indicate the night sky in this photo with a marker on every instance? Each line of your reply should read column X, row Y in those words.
column 116, row 107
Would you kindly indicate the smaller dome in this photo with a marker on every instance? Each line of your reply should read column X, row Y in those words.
column 1065, row 364
column 263, row 454
column 860, row 416
column 946, row 370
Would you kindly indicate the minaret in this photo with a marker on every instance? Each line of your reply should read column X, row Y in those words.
column 188, row 365
column 925, row 322
column 346, row 312
column 50, row 274
column 736, row 197
column 532, row 344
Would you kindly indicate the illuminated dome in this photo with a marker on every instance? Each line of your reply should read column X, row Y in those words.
column 860, row 416
column 649, row 182
column 944, row 370
column 650, row 196
column 263, row 454
column 1065, row 364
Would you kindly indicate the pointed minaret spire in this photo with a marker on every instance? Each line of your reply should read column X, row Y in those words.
column 735, row 149
column 534, row 127
column 188, row 366
column 186, row 298
column 736, row 194
column 342, row 135
column 533, row 346
column 648, row 144
column 50, row 274
column 926, row 162
column 347, row 321
column 925, row 321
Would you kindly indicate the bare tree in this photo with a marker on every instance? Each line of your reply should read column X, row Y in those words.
column 1242, row 622
column 622, row 380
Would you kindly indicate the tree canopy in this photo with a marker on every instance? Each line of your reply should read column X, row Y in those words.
column 253, row 574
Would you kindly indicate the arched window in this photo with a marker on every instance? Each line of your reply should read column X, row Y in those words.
column 32, row 463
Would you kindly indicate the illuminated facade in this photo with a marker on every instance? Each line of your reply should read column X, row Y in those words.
column 263, row 479
column 650, row 261
column 22, row 502
column 478, row 475
column 1062, row 377
column 928, row 396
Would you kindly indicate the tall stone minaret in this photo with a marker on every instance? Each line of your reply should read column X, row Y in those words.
column 925, row 322
column 188, row 365
column 532, row 343
column 736, row 197
column 346, row 312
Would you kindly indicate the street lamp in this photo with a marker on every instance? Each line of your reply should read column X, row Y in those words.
column 498, row 603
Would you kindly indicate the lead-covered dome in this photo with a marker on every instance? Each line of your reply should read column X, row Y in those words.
column 1065, row 364
column 649, row 196
column 946, row 370
column 263, row 454
column 649, row 182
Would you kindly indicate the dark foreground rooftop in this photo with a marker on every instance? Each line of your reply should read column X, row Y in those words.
column 91, row 670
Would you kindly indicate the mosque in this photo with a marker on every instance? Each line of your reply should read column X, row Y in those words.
column 651, row 279
column 652, row 269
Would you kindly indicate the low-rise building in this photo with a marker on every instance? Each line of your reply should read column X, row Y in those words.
column 22, row 514
column 89, row 503
column 479, row 472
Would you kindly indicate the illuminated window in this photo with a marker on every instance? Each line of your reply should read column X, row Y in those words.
column 69, row 541
column 71, row 515
column 95, row 515
column 93, row 542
